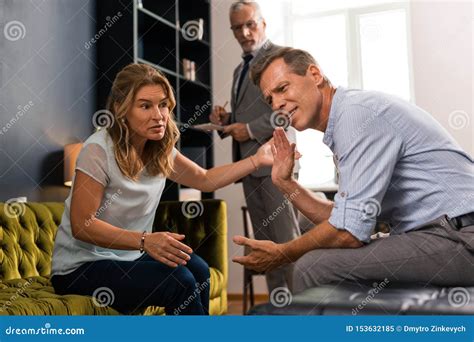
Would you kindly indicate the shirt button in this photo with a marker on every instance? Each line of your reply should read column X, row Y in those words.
column 343, row 194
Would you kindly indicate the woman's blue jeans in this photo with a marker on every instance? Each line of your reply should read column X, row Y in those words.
column 183, row 290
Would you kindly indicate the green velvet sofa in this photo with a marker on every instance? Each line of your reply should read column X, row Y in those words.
column 27, row 234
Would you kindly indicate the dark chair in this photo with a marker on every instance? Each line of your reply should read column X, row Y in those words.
column 349, row 298
column 249, row 295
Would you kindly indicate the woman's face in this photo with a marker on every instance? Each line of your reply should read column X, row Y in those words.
column 148, row 117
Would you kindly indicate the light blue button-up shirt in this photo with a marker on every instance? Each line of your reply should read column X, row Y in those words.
column 396, row 164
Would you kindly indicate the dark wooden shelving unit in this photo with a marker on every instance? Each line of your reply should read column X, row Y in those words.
column 153, row 32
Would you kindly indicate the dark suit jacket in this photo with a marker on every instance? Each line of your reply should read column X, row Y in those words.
column 250, row 108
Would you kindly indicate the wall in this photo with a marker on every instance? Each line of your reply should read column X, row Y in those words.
column 46, row 92
column 442, row 61
column 443, row 64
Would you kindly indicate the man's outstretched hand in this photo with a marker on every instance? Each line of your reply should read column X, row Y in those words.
column 263, row 257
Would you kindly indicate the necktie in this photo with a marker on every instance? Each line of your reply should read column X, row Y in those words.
column 243, row 73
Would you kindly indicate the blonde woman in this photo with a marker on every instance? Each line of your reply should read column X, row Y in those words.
column 105, row 237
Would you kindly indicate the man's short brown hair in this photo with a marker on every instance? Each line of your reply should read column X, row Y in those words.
column 298, row 60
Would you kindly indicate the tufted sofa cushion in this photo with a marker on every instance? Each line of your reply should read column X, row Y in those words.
column 35, row 296
column 26, row 245
column 27, row 238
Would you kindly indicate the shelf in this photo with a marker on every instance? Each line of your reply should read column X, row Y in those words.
column 197, row 83
column 199, row 41
column 205, row 42
column 171, row 21
column 200, row 54
column 159, row 67
column 157, row 17
column 156, row 42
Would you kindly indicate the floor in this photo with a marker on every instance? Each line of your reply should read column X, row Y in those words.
column 235, row 304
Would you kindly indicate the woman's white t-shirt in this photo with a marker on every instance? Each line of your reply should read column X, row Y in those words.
column 126, row 204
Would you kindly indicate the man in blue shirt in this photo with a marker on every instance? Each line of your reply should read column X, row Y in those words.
column 396, row 164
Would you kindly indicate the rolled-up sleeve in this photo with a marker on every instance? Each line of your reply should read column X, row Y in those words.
column 366, row 150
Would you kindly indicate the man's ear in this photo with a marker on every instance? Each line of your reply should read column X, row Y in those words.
column 315, row 72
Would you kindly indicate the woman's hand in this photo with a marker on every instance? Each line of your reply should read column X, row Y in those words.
column 264, row 155
column 167, row 248
column 284, row 156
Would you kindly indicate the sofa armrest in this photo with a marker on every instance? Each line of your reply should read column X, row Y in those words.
column 204, row 223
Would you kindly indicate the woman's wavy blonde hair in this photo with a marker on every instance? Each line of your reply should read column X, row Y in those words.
column 157, row 154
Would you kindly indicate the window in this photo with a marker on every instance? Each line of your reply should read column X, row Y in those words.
column 330, row 50
column 384, row 52
column 360, row 44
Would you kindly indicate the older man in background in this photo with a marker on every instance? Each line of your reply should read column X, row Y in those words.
column 251, row 124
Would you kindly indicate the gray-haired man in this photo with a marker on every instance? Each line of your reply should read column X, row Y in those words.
column 250, row 125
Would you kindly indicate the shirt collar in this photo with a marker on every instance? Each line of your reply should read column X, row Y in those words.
column 333, row 114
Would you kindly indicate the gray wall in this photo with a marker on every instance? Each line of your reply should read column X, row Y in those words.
column 47, row 96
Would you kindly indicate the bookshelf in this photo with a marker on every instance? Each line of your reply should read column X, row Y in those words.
column 162, row 33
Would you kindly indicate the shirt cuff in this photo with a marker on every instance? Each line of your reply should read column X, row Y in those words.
column 250, row 132
column 347, row 215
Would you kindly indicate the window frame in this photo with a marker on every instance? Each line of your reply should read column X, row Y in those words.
column 353, row 48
